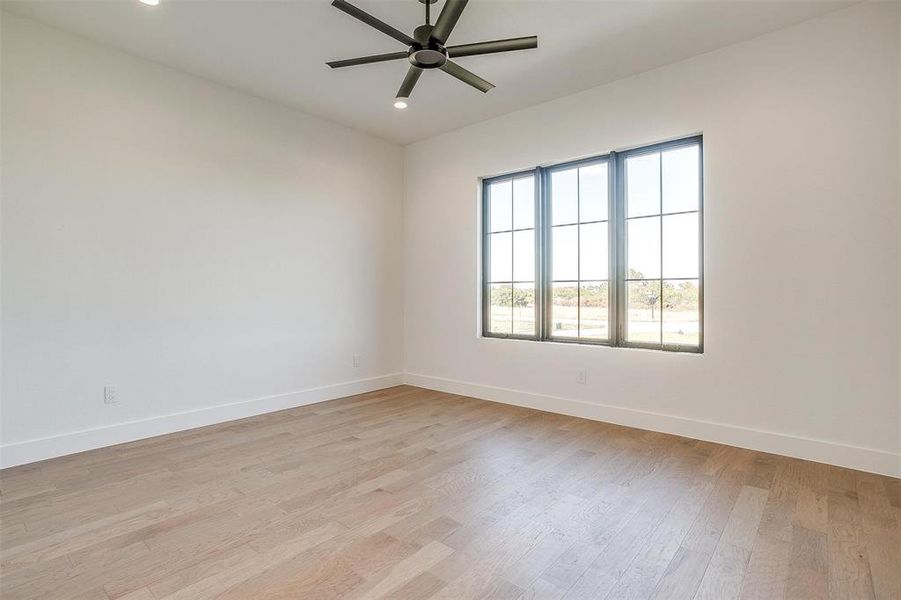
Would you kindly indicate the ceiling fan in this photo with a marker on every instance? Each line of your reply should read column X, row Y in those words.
column 427, row 49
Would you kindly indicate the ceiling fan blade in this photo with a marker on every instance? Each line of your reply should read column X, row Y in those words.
column 406, row 88
column 447, row 19
column 365, row 60
column 520, row 43
column 364, row 16
column 452, row 68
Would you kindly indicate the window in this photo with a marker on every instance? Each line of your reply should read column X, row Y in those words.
column 510, row 216
column 606, row 250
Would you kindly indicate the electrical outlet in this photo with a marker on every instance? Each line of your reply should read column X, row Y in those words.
column 357, row 360
column 110, row 394
column 582, row 376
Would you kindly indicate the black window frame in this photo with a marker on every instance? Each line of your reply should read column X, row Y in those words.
column 616, row 240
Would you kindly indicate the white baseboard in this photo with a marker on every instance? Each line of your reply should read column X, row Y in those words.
column 20, row 453
column 842, row 455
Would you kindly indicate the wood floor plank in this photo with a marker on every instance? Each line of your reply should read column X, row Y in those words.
column 726, row 571
column 407, row 493
column 657, row 550
column 407, row 569
column 808, row 573
column 768, row 564
column 683, row 575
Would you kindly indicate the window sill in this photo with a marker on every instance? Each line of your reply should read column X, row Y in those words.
column 686, row 350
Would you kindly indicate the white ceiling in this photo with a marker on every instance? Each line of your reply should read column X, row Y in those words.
column 277, row 49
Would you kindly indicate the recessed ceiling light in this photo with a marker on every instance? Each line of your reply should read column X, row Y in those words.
column 400, row 103
column 150, row 2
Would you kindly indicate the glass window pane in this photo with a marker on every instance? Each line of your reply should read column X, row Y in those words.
column 681, row 312
column 565, row 310
column 681, row 179
column 499, row 310
column 593, row 193
column 643, row 322
column 564, row 197
column 594, row 311
column 643, row 185
column 524, row 308
column 524, row 202
column 565, row 253
column 500, row 206
column 500, row 253
column 523, row 255
column 643, row 244
column 593, row 252
column 680, row 246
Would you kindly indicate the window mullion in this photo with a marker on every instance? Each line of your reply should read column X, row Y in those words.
column 618, row 250
column 660, row 188
column 539, row 313
column 486, row 257
column 512, row 261
column 543, row 228
column 578, row 254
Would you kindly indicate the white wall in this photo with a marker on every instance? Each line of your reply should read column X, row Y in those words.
column 196, row 246
column 802, row 265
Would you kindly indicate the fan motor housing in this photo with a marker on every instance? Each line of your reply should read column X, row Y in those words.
column 426, row 53
column 429, row 57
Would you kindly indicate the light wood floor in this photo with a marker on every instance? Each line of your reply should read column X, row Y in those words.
column 408, row 493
